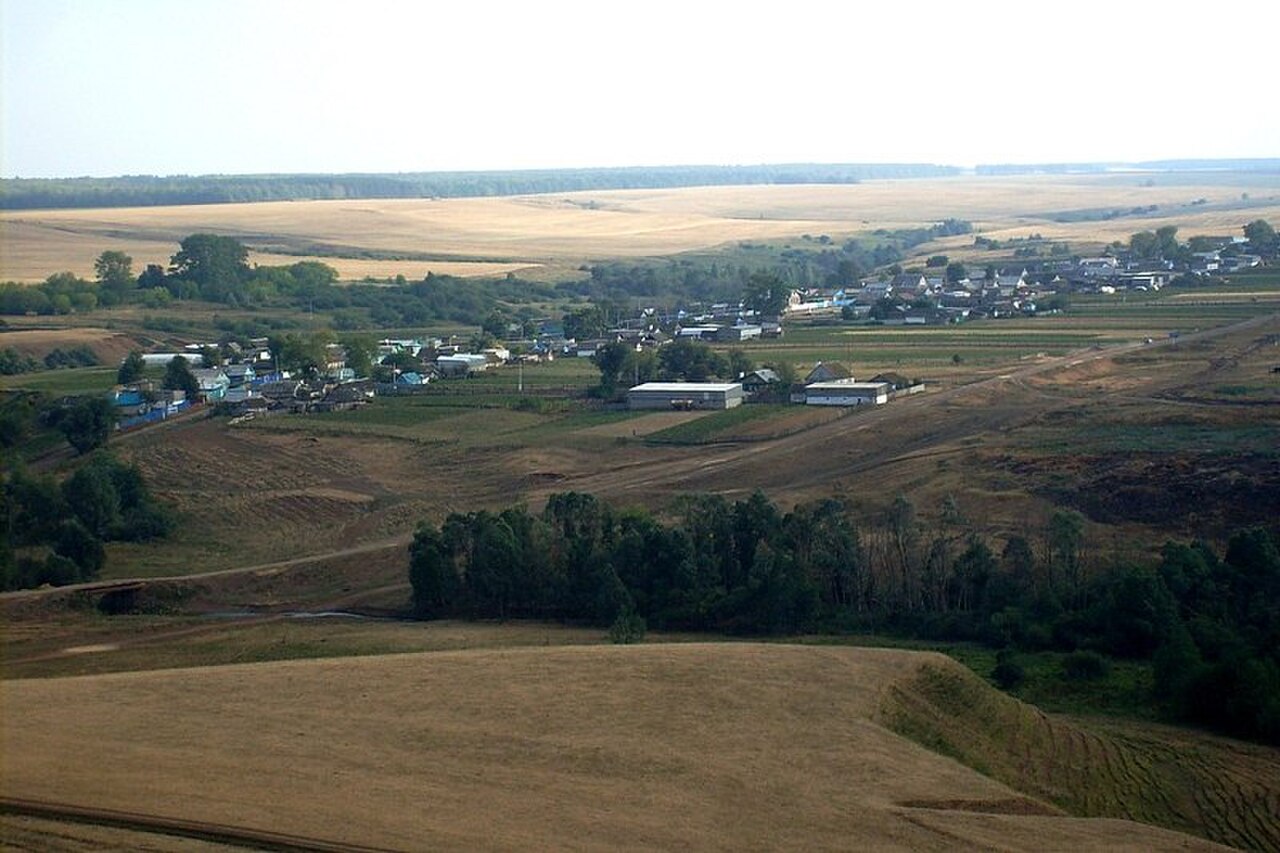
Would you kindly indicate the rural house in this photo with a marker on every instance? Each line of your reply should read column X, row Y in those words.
column 828, row 371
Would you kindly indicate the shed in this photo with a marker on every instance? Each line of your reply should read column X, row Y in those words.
column 685, row 395
column 846, row 393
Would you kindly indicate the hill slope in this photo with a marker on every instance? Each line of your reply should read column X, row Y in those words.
column 729, row 746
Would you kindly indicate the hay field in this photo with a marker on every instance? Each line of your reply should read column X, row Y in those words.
column 471, row 235
column 108, row 345
column 732, row 747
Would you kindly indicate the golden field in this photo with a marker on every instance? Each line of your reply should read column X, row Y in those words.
column 488, row 236
column 691, row 746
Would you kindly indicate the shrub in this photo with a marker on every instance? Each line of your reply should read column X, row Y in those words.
column 628, row 628
column 1085, row 666
column 1008, row 673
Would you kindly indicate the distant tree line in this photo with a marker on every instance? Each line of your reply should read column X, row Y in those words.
column 140, row 190
column 1261, row 164
column 737, row 272
column 55, row 532
column 1212, row 625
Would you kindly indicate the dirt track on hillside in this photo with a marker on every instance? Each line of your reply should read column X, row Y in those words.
column 848, row 452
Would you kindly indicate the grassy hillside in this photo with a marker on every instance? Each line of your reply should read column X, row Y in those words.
column 1222, row 789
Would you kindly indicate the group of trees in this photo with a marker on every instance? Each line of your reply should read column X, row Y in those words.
column 681, row 360
column 214, row 268
column 1212, row 625
column 13, row 362
column 55, row 533
column 1163, row 243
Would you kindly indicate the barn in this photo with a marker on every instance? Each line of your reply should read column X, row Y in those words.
column 685, row 395
column 846, row 393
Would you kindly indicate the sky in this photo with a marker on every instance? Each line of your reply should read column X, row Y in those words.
column 112, row 87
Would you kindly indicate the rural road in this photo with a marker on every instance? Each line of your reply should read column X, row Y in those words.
column 802, row 460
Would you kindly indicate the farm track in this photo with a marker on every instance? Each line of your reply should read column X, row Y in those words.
column 830, row 452
column 236, row 836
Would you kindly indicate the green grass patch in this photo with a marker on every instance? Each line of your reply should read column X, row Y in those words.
column 717, row 426
column 67, row 382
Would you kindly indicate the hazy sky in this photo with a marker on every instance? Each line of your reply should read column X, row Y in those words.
column 109, row 87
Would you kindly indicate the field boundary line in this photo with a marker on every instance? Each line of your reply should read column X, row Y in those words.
column 239, row 836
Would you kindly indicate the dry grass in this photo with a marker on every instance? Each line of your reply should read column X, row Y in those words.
column 575, row 226
column 109, row 346
column 1223, row 789
column 687, row 746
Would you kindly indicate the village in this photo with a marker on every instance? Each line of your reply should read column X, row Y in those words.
column 245, row 378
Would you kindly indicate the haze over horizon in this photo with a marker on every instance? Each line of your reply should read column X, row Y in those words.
column 285, row 86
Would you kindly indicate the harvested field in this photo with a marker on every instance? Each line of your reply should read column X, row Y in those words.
column 631, row 223
column 643, row 747
column 110, row 347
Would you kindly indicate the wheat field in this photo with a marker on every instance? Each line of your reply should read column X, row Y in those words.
column 488, row 236
column 697, row 746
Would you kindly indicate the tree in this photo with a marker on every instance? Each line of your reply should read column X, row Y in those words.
column 766, row 294
column 1262, row 237
column 360, row 352
column 431, row 573
column 81, row 547
column 956, row 271
column 611, row 359
column 740, row 364
column 786, row 372
column 87, row 425
column 153, row 276
column 496, row 325
column 115, row 276
column 1144, row 244
column 306, row 354
column 937, row 261
column 131, row 369
column 216, row 264
column 178, row 377
column 584, row 324
column 690, row 361
column 629, row 627
column 1066, row 540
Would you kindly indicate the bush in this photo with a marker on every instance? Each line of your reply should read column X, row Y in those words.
column 628, row 628
column 1008, row 673
column 1085, row 666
